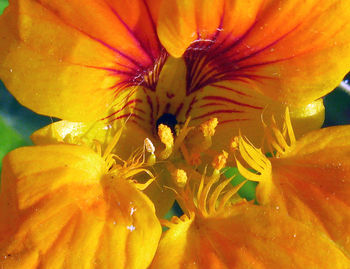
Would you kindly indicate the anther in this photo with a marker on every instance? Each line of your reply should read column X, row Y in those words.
column 218, row 163
column 208, row 127
column 150, row 149
column 166, row 137
column 180, row 177
column 234, row 145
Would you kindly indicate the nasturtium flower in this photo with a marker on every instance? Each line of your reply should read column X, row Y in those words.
column 182, row 86
column 232, row 60
column 145, row 63
column 301, row 217
column 67, row 205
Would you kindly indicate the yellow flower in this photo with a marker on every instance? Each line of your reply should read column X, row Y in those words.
column 65, row 205
column 232, row 60
column 173, row 82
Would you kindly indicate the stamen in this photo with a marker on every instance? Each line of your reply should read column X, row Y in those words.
column 202, row 202
column 215, row 195
column 260, row 163
column 151, row 160
column 234, row 145
column 228, row 195
column 210, row 203
column 278, row 140
column 218, row 163
column 289, row 127
column 180, row 177
column 182, row 133
column 166, row 137
column 256, row 160
column 208, row 127
column 208, row 131
column 197, row 142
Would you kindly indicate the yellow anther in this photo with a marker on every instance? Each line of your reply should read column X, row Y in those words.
column 219, row 161
column 165, row 135
column 180, row 177
column 167, row 138
column 208, row 127
column 234, row 143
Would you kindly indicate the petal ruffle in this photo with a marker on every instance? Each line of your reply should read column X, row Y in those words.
column 295, row 51
column 70, row 61
column 312, row 182
column 58, row 209
column 247, row 236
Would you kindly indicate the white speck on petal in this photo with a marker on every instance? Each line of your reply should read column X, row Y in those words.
column 107, row 127
column 131, row 228
column 132, row 211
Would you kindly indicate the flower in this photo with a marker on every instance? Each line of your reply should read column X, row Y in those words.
column 145, row 59
column 115, row 63
column 66, row 187
column 182, row 79
column 301, row 217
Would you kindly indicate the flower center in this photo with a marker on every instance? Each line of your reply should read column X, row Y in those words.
column 168, row 120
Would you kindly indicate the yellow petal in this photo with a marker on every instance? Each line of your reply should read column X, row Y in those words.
column 131, row 139
column 58, row 208
column 247, row 236
column 312, row 182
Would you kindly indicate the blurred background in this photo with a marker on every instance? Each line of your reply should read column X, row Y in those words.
column 17, row 122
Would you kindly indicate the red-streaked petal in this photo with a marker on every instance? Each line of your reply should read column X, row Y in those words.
column 295, row 51
column 71, row 61
column 59, row 208
column 247, row 236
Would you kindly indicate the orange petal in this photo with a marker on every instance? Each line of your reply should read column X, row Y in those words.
column 292, row 51
column 71, row 61
column 312, row 182
column 58, row 208
column 180, row 23
column 247, row 236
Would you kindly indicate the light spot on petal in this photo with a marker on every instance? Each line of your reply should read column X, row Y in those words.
column 131, row 228
column 132, row 211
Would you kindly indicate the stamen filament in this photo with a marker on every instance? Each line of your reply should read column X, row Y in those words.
column 215, row 195
column 202, row 203
column 289, row 127
column 229, row 194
